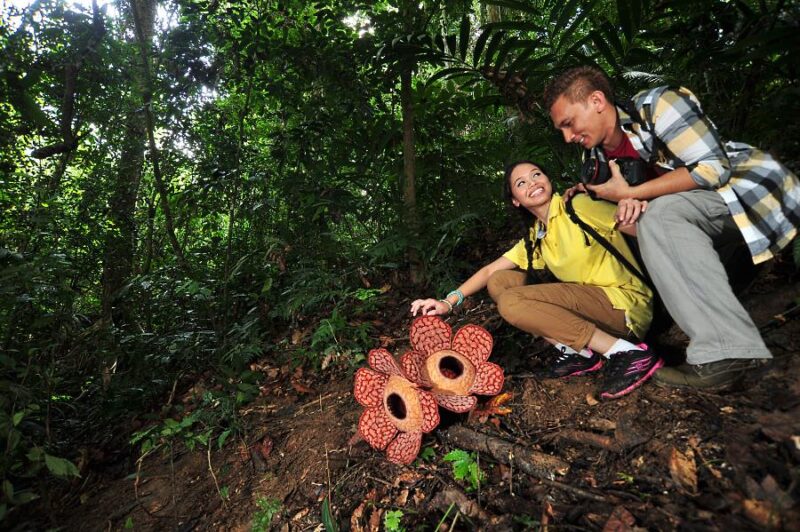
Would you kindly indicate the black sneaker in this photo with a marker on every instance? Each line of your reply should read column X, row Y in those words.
column 571, row 364
column 718, row 375
column 628, row 370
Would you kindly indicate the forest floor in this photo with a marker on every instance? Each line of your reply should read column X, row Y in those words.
column 657, row 459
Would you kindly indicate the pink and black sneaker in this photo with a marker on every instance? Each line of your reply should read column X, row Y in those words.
column 572, row 364
column 628, row 370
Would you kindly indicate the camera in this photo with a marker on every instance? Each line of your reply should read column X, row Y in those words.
column 596, row 171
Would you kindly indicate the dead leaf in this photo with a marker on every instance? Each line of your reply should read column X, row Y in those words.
column 385, row 288
column 375, row 520
column 354, row 439
column 401, row 500
column 300, row 387
column 355, row 518
column 591, row 401
column 547, row 513
column 493, row 407
column 265, row 446
column 386, row 341
column 683, row 470
column 328, row 359
column 727, row 410
column 620, row 520
column 407, row 477
column 297, row 336
column 762, row 513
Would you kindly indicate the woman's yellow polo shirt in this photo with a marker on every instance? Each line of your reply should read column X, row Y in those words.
column 576, row 257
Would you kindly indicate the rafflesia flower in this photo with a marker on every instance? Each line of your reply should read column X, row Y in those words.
column 397, row 412
column 453, row 368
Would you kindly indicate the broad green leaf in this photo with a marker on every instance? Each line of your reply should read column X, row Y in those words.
column 449, row 72
column 604, row 49
column 463, row 37
column 518, row 25
column 60, row 467
column 327, row 517
column 451, row 45
column 584, row 12
column 514, row 4
column 223, row 438
column 479, row 44
column 18, row 417
column 494, row 43
column 504, row 51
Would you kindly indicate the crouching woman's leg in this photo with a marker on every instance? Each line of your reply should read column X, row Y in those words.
column 563, row 312
column 580, row 316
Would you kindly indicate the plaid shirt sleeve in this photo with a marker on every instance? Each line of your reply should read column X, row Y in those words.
column 762, row 195
column 691, row 137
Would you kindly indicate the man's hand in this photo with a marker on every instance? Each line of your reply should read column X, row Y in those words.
column 629, row 210
column 616, row 188
column 575, row 189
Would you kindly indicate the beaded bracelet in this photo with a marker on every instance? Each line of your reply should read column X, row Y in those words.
column 458, row 294
column 449, row 305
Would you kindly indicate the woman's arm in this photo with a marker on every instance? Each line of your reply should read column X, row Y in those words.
column 478, row 281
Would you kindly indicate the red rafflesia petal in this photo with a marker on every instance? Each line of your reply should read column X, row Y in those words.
column 474, row 342
column 404, row 448
column 382, row 360
column 412, row 363
column 456, row 403
column 430, row 412
column 489, row 379
column 368, row 387
column 376, row 427
column 430, row 334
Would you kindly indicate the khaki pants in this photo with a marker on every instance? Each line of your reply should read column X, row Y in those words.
column 566, row 312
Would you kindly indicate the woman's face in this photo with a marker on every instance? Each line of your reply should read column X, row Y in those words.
column 530, row 187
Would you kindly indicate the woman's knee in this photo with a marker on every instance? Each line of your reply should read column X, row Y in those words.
column 501, row 281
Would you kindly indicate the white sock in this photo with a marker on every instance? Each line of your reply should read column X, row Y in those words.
column 621, row 345
column 585, row 352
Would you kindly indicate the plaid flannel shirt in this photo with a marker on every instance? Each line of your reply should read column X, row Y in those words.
column 762, row 195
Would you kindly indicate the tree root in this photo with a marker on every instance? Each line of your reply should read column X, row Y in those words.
column 533, row 463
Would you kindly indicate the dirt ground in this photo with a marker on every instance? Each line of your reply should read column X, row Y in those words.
column 658, row 459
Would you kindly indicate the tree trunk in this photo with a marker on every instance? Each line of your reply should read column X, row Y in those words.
column 143, row 17
column 120, row 240
column 409, row 173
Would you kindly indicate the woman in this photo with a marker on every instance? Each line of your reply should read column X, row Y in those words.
column 599, row 304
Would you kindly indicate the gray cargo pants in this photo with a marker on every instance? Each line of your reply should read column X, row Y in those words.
column 680, row 237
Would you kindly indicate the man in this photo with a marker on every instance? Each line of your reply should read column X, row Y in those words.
column 706, row 196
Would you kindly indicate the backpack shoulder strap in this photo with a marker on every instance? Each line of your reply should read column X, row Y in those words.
column 606, row 244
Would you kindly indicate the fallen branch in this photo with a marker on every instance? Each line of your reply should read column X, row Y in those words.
column 533, row 463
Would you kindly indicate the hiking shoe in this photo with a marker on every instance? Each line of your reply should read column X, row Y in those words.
column 628, row 370
column 571, row 364
column 713, row 375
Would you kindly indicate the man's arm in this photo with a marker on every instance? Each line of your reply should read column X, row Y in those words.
column 691, row 138
column 616, row 188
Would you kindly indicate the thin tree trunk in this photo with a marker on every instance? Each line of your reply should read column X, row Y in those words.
column 232, row 210
column 409, row 172
column 143, row 18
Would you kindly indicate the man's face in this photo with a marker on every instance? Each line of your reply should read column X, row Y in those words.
column 580, row 122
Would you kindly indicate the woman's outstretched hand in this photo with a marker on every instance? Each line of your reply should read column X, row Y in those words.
column 429, row 307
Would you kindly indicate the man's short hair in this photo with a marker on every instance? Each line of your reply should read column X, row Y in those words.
column 576, row 84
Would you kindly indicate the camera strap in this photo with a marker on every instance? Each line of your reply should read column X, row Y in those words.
column 606, row 244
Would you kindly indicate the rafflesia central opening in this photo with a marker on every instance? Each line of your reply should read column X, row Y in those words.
column 450, row 372
column 451, row 367
column 396, row 406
